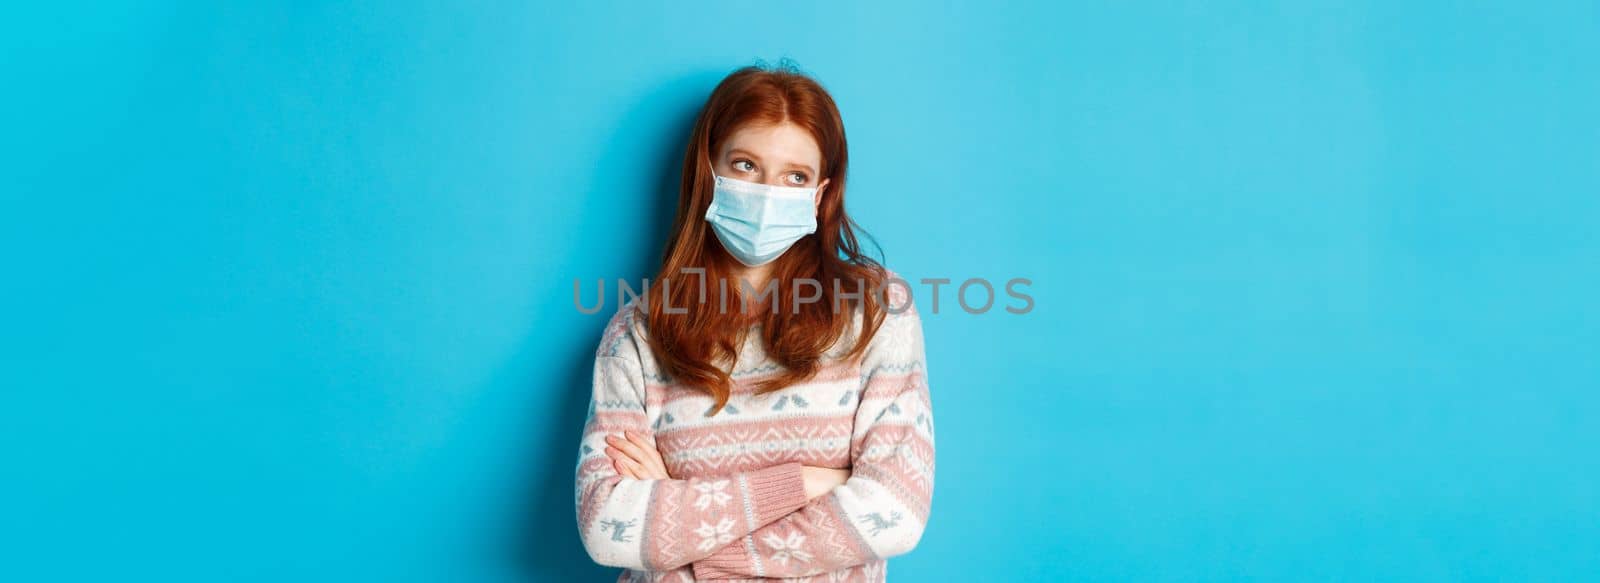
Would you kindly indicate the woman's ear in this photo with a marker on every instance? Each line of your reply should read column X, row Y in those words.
column 816, row 199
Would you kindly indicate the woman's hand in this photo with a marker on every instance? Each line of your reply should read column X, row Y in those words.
column 635, row 456
column 820, row 481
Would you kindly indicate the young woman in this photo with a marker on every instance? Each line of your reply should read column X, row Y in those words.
column 761, row 412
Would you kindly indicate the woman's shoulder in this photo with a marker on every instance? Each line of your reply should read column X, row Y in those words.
column 900, row 325
column 624, row 332
column 896, row 295
column 897, row 344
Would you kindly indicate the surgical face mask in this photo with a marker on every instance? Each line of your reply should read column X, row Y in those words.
column 758, row 222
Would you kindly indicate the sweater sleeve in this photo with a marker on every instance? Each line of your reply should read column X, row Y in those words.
column 660, row 525
column 882, row 509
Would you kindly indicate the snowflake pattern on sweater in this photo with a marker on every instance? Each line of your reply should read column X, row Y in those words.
column 735, row 507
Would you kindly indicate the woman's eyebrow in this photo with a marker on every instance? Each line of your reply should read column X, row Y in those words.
column 733, row 151
column 745, row 152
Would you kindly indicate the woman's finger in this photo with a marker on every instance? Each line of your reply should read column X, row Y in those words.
column 627, row 446
column 617, row 447
column 626, row 469
column 639, row 439
column 639, row 472
column 652, row 455
column 622, row 469
column 638, row 455
column 620, row 455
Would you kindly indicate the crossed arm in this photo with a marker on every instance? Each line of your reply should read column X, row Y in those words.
column 850, row 518
column 786, row 520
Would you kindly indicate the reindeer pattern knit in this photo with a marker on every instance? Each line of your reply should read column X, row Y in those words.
column 735, row 508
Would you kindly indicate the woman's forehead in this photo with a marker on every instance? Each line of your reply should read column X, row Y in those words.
column 784, row 143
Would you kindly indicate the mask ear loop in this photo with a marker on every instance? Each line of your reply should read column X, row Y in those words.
column 711, row 208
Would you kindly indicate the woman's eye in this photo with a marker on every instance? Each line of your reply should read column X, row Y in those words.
column 798, row 178
column 740, row 165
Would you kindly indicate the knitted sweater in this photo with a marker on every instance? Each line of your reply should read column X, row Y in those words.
column 735, row 507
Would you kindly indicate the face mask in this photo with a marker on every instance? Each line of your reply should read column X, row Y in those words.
column 758, row 222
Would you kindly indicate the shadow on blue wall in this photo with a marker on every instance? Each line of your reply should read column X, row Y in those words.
column 547, row 543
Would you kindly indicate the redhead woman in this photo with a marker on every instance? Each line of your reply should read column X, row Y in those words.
column 761, row 410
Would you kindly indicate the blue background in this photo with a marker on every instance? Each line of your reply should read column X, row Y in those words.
column 289, row 287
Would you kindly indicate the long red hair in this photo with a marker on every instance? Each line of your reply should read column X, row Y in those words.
column 694, row 347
